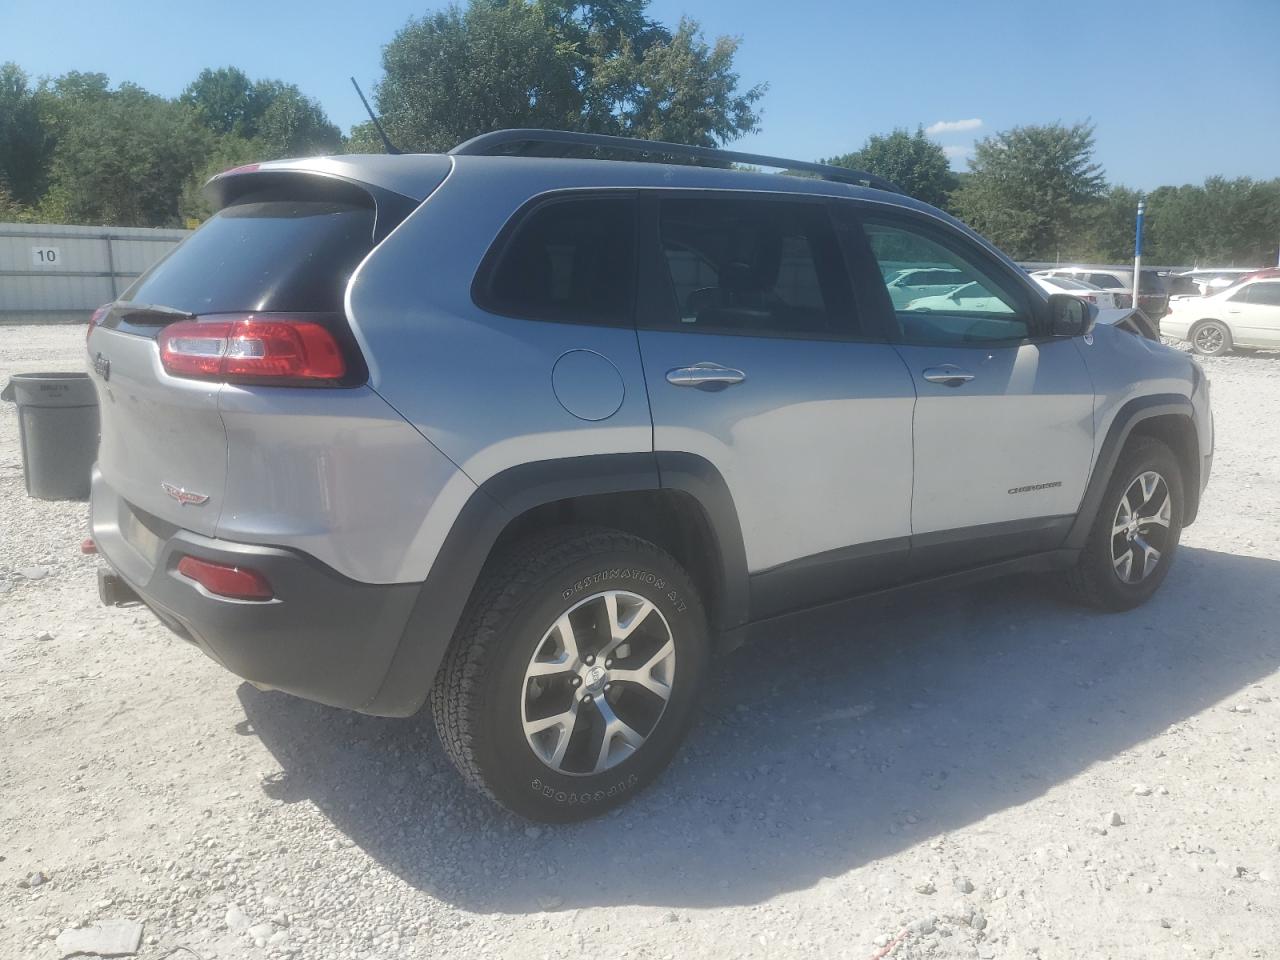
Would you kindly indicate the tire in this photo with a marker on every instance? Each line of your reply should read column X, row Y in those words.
column 509, row 699
column 1102, row 578
column 1210, row 338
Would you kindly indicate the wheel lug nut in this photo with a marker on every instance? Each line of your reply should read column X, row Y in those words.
column 586, row 698
column 589, row 660
column 608, row 663
column 576, row 681
column 608, row 687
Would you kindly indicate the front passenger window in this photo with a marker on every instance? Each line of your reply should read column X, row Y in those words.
column 939, row 295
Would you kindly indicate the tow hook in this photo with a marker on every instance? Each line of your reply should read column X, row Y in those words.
column 113, row 591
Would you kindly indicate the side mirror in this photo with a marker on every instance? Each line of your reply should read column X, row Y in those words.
column 1070, row 316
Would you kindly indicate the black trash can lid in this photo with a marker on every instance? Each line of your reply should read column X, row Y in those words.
column 51, row 390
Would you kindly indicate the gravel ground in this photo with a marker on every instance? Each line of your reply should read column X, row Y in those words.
column 992, row 773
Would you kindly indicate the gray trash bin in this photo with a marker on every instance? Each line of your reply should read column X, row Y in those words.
column 58, row 424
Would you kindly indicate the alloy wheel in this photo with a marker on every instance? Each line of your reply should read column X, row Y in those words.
column 598, row 683
column 1140, row 530
column 1209, row 338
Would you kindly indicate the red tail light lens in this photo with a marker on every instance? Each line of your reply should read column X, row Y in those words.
column 235, row 583
column 247, row 349
column 96, row 319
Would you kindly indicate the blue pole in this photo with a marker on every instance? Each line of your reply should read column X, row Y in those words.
column 1137, row 251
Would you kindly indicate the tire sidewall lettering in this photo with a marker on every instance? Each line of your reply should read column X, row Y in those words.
column 574, row 797
column 633, row 575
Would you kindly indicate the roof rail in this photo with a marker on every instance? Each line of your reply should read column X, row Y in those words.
column 488, row 144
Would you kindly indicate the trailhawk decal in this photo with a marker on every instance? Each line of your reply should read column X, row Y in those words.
column 1032, row 488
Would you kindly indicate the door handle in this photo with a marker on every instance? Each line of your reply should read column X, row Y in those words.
column 705, row 376
column 949, row 375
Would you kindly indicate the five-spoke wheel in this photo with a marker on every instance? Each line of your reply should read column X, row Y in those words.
column 1141, row 527
column 598, row 682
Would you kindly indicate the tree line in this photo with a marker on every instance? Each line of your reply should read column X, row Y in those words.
column 74, row 149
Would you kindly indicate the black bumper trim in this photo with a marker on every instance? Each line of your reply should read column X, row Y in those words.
column 325, row 637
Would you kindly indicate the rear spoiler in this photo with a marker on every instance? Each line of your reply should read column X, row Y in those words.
column 264, row 183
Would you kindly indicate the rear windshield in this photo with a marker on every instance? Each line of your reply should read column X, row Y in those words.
column 263, row 255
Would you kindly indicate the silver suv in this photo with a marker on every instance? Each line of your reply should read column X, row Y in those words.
column 534, row 437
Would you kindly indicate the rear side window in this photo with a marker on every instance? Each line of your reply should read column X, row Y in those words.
column 1267, row 294
column 754, row 266
column 571, row 260
column 263, row 255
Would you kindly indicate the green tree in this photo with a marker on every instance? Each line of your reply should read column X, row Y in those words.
column 1031, row 189
column 912, row 161
column 1105, row 233
column 1223, row 222
column 277, row 115
column 26, row 142
column 122, row 158
column 596, row 66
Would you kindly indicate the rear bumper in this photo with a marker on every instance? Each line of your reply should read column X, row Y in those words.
column 324, row 637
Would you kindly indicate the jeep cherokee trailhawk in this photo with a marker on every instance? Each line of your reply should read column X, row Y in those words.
column 531, row 436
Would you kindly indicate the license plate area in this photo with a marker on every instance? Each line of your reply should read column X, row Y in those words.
column 141, row 535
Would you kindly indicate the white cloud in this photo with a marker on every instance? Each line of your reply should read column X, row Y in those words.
column 958, row 151
column 952, row 126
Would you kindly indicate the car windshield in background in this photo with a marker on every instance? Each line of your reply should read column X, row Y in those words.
column 265, row 256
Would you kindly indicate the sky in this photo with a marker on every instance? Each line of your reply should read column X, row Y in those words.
column 1179, row 90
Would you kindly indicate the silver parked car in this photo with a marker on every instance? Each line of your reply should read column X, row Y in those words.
column 537, row 439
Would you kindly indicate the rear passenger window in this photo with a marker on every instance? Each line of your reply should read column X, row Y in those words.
column 569, row 260
column 1265, row 293
column 754, row 266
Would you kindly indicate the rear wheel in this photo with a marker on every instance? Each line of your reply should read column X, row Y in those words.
column 1211, row 338
column 573, row 676
column 1136, row 531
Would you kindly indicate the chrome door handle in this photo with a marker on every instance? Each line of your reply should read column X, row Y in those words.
column 949, row 375
column 705, row 376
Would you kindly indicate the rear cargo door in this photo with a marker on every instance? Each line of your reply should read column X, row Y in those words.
column 284, row 249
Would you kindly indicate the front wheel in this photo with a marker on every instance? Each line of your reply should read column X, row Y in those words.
column 1136, row 532
column 574, row 673
column 1211, row 338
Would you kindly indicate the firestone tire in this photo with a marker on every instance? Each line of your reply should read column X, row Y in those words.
column 1140, row 518
column 525, row 711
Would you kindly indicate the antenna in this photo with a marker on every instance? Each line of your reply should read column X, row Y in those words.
column 386, row 141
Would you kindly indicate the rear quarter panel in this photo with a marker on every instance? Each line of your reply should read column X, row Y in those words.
column 476, row 384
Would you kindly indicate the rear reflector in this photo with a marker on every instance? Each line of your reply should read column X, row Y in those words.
column 248, row 349
column 96, row 318
column 236, row 583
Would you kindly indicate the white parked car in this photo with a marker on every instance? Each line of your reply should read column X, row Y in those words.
column 1246, row 315
column 1153, row 298
column 1104, row 299
column 907, row 285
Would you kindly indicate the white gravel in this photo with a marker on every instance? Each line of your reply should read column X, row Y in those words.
column 985, row 774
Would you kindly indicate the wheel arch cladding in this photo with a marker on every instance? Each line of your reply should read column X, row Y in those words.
column 1168, row 418
column 696, row 523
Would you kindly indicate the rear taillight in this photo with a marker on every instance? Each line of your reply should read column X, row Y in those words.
column 223, row 580
column 96, row 319
column 248, row 349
